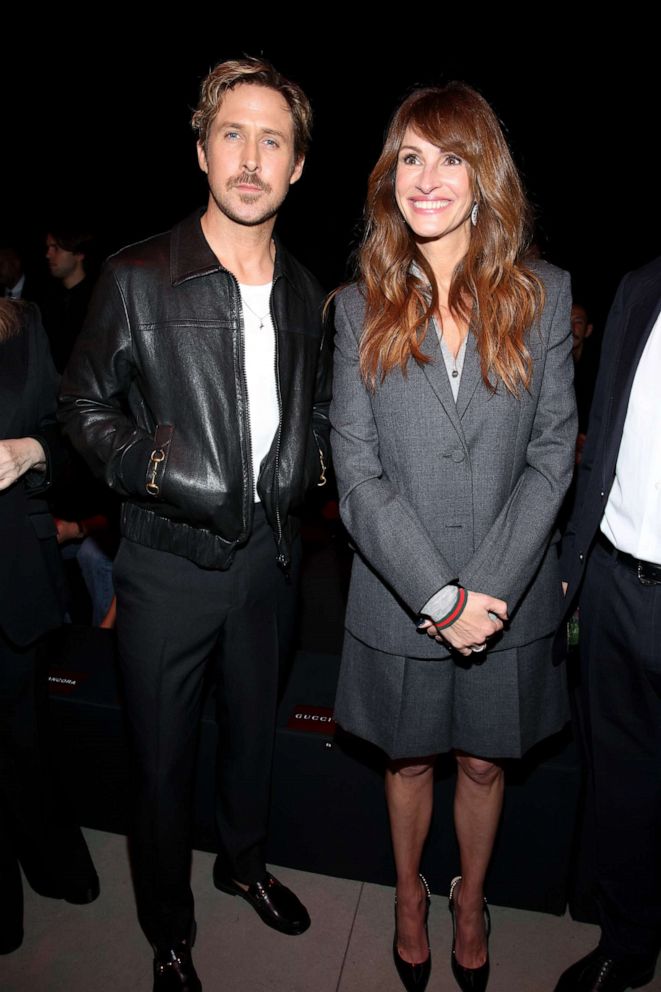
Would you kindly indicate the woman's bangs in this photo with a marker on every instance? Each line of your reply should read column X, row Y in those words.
column 445, row 128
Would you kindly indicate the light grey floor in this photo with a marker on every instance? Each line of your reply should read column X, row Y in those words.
column 348, row 948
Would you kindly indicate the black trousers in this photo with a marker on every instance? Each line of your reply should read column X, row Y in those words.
column 620, row 650
column 35, row 822
column 174, row 620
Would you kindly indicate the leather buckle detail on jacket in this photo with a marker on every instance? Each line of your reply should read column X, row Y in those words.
column 158, row 459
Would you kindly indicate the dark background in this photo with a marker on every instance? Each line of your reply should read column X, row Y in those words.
column 96, row 125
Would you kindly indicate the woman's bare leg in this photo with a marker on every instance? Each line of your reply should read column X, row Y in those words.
column 478, row 802
column 410, row 795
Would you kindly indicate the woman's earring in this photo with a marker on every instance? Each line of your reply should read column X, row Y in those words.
column 474, row 212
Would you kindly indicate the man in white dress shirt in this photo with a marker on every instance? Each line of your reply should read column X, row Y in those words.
column 612, row 553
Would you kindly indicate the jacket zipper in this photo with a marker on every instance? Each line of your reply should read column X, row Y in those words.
column 249, row 495
column 281, row 558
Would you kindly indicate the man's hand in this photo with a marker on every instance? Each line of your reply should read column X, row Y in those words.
column 474, row 626
column 68, row 530
column 18, row 456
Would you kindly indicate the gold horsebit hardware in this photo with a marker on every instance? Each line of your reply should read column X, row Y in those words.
column 157, row 456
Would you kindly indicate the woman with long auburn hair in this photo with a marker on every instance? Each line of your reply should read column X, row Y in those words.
column 453, row 432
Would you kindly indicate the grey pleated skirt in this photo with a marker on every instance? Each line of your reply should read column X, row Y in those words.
column 495, row 704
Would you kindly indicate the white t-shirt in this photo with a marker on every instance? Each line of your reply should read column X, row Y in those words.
column 259, row 364
column 632, row 518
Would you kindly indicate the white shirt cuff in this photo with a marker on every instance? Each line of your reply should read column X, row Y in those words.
column 441, row 603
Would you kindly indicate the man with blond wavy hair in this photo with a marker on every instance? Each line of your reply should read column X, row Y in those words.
column 199, row 390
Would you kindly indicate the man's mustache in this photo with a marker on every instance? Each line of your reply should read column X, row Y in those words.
column 249, row 179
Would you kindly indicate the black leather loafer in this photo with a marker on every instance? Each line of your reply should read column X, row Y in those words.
column 468, row 979
column 596, row 972
column 11, row 907
column 82, row 893
column 79, row 889
column 174, row 971
column 11, row 940
column 275, row 903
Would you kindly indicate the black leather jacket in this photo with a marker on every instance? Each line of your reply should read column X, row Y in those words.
column 155, row 397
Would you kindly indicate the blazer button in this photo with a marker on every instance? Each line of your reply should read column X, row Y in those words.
column 580, row 556
column 457, row 455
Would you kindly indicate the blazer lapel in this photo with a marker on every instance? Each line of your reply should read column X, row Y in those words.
column 470, row 375
column 437, row 377
column 642, row 316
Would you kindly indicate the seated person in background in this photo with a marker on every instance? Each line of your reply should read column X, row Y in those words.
column 91, row 539
column 34, row 824
column 86, row 514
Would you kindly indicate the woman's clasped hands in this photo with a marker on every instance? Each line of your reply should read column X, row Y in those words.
column 482, row 617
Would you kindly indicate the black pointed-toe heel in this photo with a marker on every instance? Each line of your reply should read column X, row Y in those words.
column 414, row 977
column 468, row 979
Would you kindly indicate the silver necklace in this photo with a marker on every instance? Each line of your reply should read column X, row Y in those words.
column 255, row 314
column 454, row 372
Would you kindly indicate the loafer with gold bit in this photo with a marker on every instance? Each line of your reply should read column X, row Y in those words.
column 272, row 901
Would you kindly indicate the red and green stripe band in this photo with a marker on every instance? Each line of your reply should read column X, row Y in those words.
column 455, row 612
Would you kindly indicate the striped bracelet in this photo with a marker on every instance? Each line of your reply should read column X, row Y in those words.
column 455, row 612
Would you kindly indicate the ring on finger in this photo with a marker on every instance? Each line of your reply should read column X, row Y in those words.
column 478, row 647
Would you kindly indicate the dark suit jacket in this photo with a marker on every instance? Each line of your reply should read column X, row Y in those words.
column 630, row 321
column 30, row 582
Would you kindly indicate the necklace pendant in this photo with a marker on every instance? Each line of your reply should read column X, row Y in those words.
column 455, row 373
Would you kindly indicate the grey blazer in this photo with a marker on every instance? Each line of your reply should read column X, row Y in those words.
column 433, row 492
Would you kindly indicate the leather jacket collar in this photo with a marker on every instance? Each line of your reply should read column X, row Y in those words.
column 191, row 256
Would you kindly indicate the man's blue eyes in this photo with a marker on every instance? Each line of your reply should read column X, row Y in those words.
column 271, row 142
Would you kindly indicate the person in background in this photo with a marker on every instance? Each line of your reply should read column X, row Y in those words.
column 15, row 284
column 35, row 825
column 585, row 368
column 611, row 566
column 68, row 253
